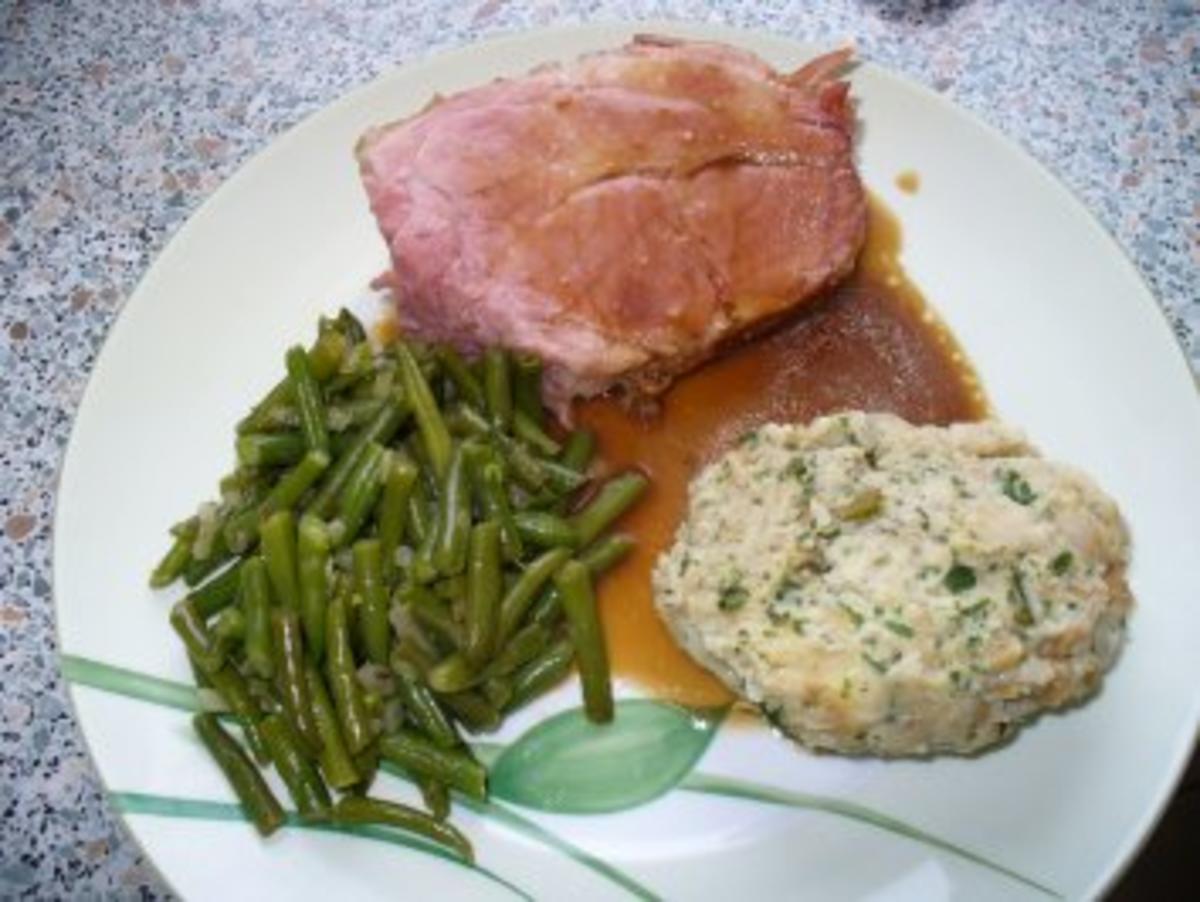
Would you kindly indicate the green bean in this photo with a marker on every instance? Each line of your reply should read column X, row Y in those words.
column 425, row 711
column 497, row 387
column 418, row 515
column 278, row 535
column 364, row 810
column 574, row 584
column 472, row 710
column 270, row 449
column 255, row 797
column 198, row 570
column 380, row 430
column 197, row 638
column 423, row 569
column 228, row 682
column 540, row 674
column 171, row 567
column 528, row 431
column 454, row 767
column 360, row 493
column 453, row 589
column 301, row 778
column 230, row 628
column 606, row 553
column 289, row 676
column 498, row 691
column 345, row 415
column 545, row 530
column 375, row 629
column 413, row 650
column 425, row 608
column 312, row 565
column 483, row 593
column 349, row 325
column 523, row 647
column 343, row 679
column 614, row 498
column 335, row 760
column 578, row 451
column 517, row 599
column 454, row 673
column 460, row 374
column 399, row 481
column 598, row 557
column 435, row 795
column 527, row 389
column 239, row 531
column 429, row 418
column 256, row 606
column 356, row 366
column 535, row 473
column 323, row 360
column 488, row 478
column 217, row 594
column 450, row 551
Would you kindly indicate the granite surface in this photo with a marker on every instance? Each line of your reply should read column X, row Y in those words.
column 118, row 119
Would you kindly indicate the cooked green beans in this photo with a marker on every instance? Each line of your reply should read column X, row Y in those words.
column 460, row 374
column 171, row 566
column 574, row 583
column 255, row 796
column 360, row 493
column 450, row 551
column 614, row 498
column 270, row 449
column 343, row 679
column 425, row 711
column 304, row 784
column 540, row 674
column 335, row 759
column 527, row 390
column 365, row 810
column 278, row 534
column 374, row 626
column 289, row 675
column 425, row 410
column 239, row 532
column 380, row 431
column 517, row 599
column 307, row 398
column 497, row 387
column 578, row 451
column 256, row 607
column 191, row 628
column 483, row 592
column 388, row 567
column 493, row 499
column 545, row 530
column 312, row 565
column 399, row 481
column 456, row 768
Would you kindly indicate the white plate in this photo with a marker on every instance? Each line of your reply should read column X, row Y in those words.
column 1068, row 340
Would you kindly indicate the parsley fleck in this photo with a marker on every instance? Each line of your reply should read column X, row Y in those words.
column 876, row 665
column 900, row 629
column 977, row 607
column 959, row 578
column 1062, row 563
column 1018, row 597
column 1014, row 485
column 854, row 616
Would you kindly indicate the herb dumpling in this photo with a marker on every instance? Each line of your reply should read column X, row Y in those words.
column 883, row 588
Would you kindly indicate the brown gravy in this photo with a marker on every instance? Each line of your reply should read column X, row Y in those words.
column 871, row 344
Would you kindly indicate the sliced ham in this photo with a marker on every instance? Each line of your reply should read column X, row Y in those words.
column 623, row 216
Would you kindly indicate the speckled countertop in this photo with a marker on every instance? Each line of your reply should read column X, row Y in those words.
column 118, row 119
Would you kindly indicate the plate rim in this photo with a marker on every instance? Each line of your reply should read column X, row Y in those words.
column 1136, row 837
